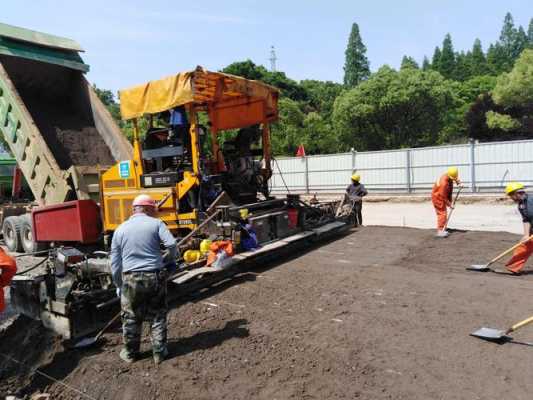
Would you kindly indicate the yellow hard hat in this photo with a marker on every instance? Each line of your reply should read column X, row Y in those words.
column 453, row 173
column 356, row 177
column 191, row 256
column 204, row 246
column 243, row 212
column 513, row 187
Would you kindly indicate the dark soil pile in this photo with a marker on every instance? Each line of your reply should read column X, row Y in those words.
column 383, row 313
column 70, row 135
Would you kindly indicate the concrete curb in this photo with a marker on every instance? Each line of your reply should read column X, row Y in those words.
column 467, row 198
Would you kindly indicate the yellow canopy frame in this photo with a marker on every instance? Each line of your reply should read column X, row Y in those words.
column 230, row 101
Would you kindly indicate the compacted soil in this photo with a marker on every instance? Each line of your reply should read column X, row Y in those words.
column 381, row 313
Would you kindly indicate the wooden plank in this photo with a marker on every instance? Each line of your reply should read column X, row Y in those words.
column 195, row 273
column 299, row 236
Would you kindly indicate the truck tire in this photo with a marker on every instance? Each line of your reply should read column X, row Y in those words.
column 11, row 231
column 26, row 236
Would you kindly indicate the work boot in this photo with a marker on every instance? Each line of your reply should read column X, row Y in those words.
column 126, row 356
column 443, row 234
column 160, row 357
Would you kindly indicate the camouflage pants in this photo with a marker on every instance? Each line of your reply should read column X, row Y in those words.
column 144, row 298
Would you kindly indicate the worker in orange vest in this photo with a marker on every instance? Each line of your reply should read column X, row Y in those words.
column 516, row 191
column 9, row 269
column 441, row 196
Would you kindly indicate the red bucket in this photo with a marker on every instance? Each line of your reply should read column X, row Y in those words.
column 293, row 217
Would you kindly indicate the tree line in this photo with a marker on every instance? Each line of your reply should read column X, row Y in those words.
column 455, row 96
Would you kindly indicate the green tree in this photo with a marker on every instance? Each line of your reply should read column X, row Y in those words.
column 530, row 34
column 520, row 43
column 479, row 62
column 425, row 64
column 476, row 86
column 515, row 89
column 356, row 66
column 318, row 135
column 409, row 62
column 288, row 87
column 447, row 61
column 435, row 61
column 508, row 33
column 108, row 98
column 501, row 122
column 497, row 59
column 476, row 119
column 287, row 132
column 512, row 40
column 247, row 69
column 321, row 95
column 461, row 120
column 463, row 66
column 394, row 109
column 513, row 94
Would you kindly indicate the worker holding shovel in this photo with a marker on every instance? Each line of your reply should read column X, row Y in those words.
column 515, row 190
column 355, row 193
column 441, row 196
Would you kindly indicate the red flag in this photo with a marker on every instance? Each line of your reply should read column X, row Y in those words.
column 301, row 151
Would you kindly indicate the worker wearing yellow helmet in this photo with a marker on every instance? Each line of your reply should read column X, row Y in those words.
column 441, row 197
column 355, row 193
column 248, row 234
column 516, row 191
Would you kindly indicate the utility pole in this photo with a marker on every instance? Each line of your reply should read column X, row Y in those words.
column 273, row 59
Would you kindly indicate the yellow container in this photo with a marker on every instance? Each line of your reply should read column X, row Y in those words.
column 204, row 246
column 191, row 256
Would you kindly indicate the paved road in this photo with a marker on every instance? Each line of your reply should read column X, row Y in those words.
column 479, row 217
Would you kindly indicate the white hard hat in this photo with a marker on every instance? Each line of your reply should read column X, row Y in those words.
column 143, row 200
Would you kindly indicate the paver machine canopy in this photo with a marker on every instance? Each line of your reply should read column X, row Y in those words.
column 178, row 162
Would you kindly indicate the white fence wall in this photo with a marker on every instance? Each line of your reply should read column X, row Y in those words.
column 483, row 167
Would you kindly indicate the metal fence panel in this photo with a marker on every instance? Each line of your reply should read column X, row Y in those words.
column 427, row 164
column 498, row 163
column 333, row 162
column 327, row 173
column 382, row 170
column 293, row 174
column 482, row 166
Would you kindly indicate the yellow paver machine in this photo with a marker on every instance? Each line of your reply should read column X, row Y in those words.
column 201, row 149
column 182, row 160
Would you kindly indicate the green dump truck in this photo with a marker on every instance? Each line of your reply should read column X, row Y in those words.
column 59, row 132
column 7, row 169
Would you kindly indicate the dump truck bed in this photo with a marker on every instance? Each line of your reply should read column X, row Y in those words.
column 53, row 122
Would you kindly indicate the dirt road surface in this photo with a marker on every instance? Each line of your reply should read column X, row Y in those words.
column 484, row 217
column 382, row 313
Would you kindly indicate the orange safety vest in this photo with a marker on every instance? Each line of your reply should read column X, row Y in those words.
column 215, row 247
column 9, row 269
column 442, row 190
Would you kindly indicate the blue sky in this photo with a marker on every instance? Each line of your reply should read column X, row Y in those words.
column 127, row 45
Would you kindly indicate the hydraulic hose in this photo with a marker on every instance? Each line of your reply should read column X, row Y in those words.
column 32, row 267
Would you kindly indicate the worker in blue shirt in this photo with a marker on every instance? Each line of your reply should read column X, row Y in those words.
column 139, row 273
column 178, row 117
column 180, row 126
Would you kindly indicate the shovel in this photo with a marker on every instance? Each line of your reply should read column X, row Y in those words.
column 89, row 341
column 485, row 267
column 453, row 208
column 497, row 335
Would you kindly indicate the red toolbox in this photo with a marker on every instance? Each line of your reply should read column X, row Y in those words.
column 72, row 221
